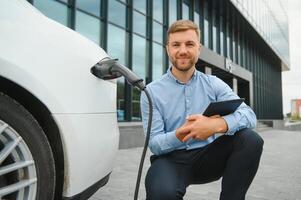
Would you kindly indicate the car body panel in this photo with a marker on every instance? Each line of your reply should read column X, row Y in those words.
column 89, row 152
column 53, row 58
column 53, row 63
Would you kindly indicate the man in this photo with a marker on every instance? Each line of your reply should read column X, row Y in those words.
column 183, row 141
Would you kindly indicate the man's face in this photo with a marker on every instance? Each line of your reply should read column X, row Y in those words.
column 183, row 49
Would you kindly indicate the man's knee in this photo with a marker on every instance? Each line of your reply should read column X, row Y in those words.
column 250, row 141
column 162, row 191
column 162, row 181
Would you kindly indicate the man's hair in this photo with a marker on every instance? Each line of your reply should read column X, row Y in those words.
column 183, row 25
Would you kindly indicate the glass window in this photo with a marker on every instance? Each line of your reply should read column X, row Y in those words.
column 157, row 32
column 222, row 43
column 158, row 10
column 196, row 14
column 117, row 13
column 239, row 54
column 120, row 99
column 139, row 56
column 214, row 38
column 206, row 33
column 139, row 23
column 116, row 49
column 139, row 67
column 185, row 11
column 206, row 24
column 136, row 113
column 54, row 10
column 243, row 52
column 228, row 46
column 88, row 26
column 215, row 24
column 228, row 42
column 172, row 11
column 157, row 61
column 65, row 1
column 140, row 5
column 234, row 50
column 196, row 18
column 90, row 6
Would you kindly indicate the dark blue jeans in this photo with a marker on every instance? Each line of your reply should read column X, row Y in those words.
column 235, row 158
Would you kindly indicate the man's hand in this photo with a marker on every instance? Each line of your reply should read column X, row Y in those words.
column 201, row 127
column 183, row 130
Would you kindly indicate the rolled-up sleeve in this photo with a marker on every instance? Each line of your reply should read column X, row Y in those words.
column 160, row 142
column 243, row 117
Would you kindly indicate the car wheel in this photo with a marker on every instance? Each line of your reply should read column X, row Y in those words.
column 27, row 169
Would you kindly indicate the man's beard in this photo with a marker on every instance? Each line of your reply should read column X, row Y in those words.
column 182, row 68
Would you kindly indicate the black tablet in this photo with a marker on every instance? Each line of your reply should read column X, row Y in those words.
column 222, row 107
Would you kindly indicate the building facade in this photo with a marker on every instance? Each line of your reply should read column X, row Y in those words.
column 245, row 42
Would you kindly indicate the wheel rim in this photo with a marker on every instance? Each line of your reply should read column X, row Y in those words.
column 18, row 178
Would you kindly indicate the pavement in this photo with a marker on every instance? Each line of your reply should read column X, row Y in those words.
column 278, row 176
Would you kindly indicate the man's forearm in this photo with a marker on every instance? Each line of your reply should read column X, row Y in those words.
column 201, row 127
column 220, row 125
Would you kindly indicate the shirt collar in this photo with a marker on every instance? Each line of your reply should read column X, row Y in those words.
column 172, row 77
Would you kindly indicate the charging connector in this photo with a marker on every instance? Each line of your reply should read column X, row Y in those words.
column 108, row 69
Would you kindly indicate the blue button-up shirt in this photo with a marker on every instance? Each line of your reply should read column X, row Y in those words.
column 173, row 101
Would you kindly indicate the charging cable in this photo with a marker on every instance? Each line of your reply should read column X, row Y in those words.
column 109, row 69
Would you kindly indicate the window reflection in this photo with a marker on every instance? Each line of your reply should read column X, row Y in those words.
column 196, row 18
column 139, row 57
column 139, row 23
column 206, row 23
column 215, row 31
column 228, row 46
column 185, row 11
column 158, row 10
column 140, row 5
column 206, row 33
column 239, row 53
column 222, row 43
column 214, row 38
column 90, row 6
column 117, row 13
column 116, row 49
column 88, row 26
column 172, row 11
column 139, row 67
column 234, row 50
column 120, row 100
column 65, row 1
column 271, row 21
column 157, row 61
column 136, row 113
column 54, row 10
column 157, row 32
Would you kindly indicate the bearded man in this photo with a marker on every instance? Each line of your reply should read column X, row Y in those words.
column 184, row 143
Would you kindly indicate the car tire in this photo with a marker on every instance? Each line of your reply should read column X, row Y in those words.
column 27, row 170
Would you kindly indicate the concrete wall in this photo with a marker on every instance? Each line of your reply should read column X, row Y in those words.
column 131, row 133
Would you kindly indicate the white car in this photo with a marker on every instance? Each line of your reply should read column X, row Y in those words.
column 58, row 122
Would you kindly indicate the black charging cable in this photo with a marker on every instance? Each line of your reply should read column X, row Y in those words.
column 149, row 126
column 109, row 69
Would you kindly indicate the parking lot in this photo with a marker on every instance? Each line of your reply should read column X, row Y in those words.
column 278, row 177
